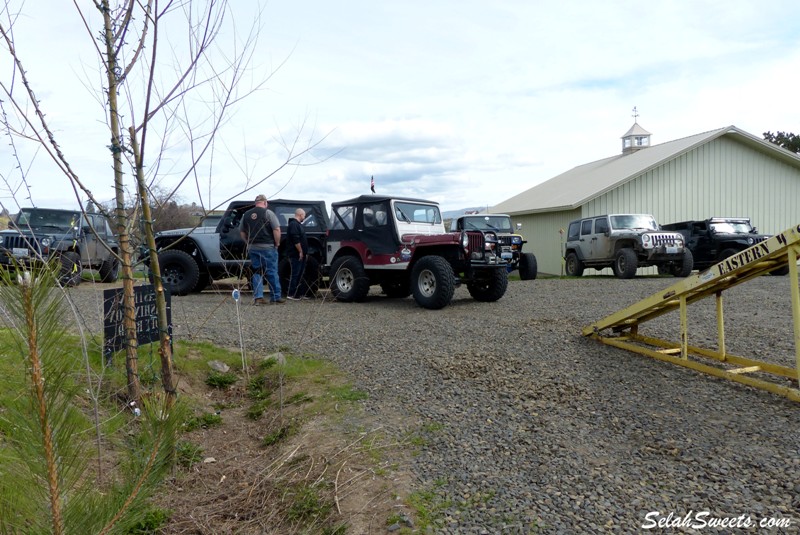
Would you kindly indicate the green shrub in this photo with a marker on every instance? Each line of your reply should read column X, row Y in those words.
column 221, row 380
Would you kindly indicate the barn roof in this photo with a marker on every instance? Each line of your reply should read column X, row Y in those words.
column 581, row 184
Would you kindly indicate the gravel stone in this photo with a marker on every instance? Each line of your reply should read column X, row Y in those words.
column 530, row 427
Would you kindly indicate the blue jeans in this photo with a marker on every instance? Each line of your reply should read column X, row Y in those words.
column 265, row 261
column 297, row 286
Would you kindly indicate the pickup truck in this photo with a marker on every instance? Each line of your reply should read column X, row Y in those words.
column 191, row 258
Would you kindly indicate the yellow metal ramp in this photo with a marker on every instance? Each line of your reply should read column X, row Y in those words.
column 621, row 329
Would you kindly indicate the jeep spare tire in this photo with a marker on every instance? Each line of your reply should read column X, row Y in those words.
column 433, row 282
column 179, row 272
column 109, row 270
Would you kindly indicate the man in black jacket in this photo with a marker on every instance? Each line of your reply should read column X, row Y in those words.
column 298, row 251
column 261, row 230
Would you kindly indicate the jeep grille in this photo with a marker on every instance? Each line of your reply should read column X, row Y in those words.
column 504, row 240
column 20, row 242
column 663, row 239
column 476, row 244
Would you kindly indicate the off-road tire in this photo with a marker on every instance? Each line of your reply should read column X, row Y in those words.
column 349, row 281
column 397, row 289
column 490, row 289
column 71, row 269
column 109, row 270
column 780, row 272
column 725, row 253
column 574, row 266
column 179, row 272
column 432, row 282
column 684, row 269
column 625, row 263
column 528, row 267
column 311, row 275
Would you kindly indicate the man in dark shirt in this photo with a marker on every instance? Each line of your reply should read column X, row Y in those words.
column 261, row 230
column 298, row 252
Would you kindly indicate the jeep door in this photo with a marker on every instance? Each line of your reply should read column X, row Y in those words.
column 375, row 229
column 89, row 250
column 601, row 244
column 585, row 239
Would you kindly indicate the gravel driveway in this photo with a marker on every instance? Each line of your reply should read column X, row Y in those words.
column 530, row 427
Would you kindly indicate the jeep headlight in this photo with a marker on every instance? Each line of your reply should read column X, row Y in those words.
column 464, row 241
column 647, row 241
column 490, row 242
column 45, row 242
column 516, row 240
column 750, row 241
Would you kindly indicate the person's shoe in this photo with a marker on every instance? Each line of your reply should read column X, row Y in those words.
column 290, row 298
column 258, row 301
column 278, row 301
column 306, row 298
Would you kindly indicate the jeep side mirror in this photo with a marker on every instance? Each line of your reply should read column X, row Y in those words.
column 754, row 231
column 519, row 226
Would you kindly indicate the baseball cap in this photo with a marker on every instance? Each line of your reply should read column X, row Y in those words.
column 261, row 197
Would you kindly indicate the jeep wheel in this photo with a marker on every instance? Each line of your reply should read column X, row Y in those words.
column 311, row 275
column 397, row 289
column 179, row 271
column 574, row 266
column 625, row 264
column 432, row 282
column 684, row 269
column 528, row 268
column 780, row 272
column 349, row 281
column 71, row 269
column 491, row 289
column 725, row 253
column 109, row 270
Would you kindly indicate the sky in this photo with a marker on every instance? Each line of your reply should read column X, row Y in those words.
column 466, row 103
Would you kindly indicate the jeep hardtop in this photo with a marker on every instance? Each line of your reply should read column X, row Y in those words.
column 401, row 244
column 624, row 242
column 510, row 242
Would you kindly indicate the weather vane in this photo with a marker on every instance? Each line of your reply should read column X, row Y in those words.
column 635, row 114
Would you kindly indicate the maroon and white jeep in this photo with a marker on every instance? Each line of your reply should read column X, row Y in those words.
column 402, row 245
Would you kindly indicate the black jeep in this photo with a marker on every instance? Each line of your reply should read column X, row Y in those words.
column 715, row 239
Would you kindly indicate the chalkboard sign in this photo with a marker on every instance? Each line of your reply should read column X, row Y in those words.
column 146, row 317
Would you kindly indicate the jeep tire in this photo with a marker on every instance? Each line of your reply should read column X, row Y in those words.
column 432, row 282
column 109, row 269
column 528, row 267
column 349, row 281
column 311, row 275
column 489, row 289
column 574, row 266
column 625, row 263
column 684, row 269
column 179, row 272
column 71, row 269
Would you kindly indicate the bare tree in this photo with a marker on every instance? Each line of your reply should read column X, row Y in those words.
column 178, row 109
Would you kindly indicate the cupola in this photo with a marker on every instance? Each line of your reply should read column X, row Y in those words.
column 636, row 138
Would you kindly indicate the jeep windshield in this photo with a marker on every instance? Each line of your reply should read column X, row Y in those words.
column 496, row 223
column 634, row 221
column 731, row 227
column 36, row 218
column 411, row 212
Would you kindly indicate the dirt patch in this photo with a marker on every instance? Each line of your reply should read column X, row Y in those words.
column 311, row 464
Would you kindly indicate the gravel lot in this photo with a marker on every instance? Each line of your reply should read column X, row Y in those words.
column 530, row 427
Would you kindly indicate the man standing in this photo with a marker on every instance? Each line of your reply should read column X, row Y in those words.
column 298, row 252
column 261, row 230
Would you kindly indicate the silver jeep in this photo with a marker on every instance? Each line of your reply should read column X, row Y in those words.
column 624, row 242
